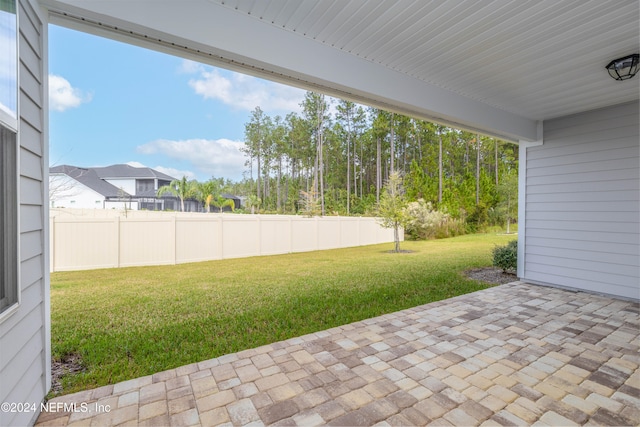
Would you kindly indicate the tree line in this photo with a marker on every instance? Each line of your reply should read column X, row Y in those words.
column 324, row 163
column 336, row 156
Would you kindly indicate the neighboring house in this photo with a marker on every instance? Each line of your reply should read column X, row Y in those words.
column 528, row 72
column 111, row 187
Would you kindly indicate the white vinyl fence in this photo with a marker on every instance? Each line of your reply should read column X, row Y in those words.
column 88, row 239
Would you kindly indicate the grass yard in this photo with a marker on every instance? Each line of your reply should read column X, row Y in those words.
column 129, row 322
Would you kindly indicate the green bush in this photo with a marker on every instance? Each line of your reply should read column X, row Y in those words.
column 506, row 257
column 451, row 227
column 423, row 222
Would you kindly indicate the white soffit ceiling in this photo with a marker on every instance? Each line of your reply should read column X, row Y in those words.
column 493, row 66
column 538, row 59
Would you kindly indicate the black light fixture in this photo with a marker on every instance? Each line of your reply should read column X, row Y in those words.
column 624, row 68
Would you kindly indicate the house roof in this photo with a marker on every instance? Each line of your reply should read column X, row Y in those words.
column 498, row 67
column 89, row 178
column 94, row 178
column 123, row 171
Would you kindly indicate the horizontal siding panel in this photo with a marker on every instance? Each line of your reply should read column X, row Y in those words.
column 29, row 84
column 30, row 191
column 615, row 139
column 603, row 226
column 586, row 177
column 30, row 111
column 30, row 27
column 30, row 386
column 36, row 392
column 586, row 127
column 585, row 236
column 584, row 284
column 586, row 196
column 624, row 274
column 31, row 298
column 543, row 265
column 30, row 138
column 631, row 184
column 30, row 58
column 22, row 336
column 31, row 218
column 589, row 216
column 593, row 207
column 37, row 285
column 587, row 167
column 591, row 156
column 31, row 244
column 604, row 115
column 601, row 247
column 30, row 165
column 31, row 273
column 584, row 255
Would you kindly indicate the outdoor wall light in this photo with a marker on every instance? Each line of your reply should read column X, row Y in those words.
column 623, row 68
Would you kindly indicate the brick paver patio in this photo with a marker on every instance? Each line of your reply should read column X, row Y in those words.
column 515, row 354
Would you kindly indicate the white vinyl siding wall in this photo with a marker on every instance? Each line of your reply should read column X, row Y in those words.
column 582, row 203
column 24, row 369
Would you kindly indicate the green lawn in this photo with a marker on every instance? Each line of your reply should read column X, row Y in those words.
column 129, row 322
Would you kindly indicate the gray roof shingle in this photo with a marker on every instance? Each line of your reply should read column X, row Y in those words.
column 127, row 171
column 94, row 178
column 89, row 178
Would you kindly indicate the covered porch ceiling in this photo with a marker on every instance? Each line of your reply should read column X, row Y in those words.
column 497, row 67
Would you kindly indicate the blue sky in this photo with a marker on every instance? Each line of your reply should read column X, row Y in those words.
column 115, row 103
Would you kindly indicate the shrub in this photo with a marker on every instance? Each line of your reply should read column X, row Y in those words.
column 506, row 257
column 450, row 227
column 424, row 222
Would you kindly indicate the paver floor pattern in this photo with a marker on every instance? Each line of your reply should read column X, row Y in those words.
column 515, row 354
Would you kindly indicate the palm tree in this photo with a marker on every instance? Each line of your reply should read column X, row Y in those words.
column 253, row 202
column 206, row 192
column 180, row 188
column 220, row 202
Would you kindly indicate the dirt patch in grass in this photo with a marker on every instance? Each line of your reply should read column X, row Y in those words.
column 491, row 275
column 70, row 364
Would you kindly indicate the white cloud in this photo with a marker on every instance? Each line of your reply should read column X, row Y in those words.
column 219, row 158
column 63, row 96
column 242, row 91
column 190, row 67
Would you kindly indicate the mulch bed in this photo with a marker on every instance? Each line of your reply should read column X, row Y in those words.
column 491, row 275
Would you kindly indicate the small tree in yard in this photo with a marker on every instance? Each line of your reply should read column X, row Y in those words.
column 508, row 194
column 310, row 203
column 391, row 208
